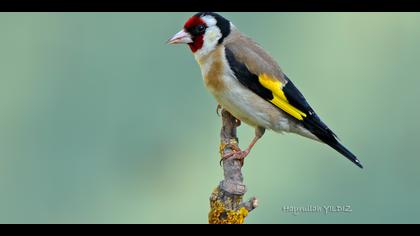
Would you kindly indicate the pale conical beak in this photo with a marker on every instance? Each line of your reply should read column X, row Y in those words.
column 180, row 37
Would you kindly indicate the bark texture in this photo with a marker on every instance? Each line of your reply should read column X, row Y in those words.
column 226, row 201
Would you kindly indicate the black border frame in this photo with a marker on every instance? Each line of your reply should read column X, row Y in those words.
column 209, row 5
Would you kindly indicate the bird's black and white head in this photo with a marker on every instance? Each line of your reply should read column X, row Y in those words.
column 203, row 32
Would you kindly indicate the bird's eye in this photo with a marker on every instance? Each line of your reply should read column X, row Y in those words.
column 201, row 28
column 198, row 30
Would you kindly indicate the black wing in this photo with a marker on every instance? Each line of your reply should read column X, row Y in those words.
column 294, row 101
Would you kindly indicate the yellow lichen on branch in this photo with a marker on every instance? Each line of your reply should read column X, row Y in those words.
column 220, row 214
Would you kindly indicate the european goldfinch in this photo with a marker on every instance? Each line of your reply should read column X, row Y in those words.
column 247, row 82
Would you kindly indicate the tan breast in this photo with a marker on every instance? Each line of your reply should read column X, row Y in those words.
column 213, row 68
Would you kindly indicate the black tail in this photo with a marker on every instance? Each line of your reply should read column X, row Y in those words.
column 319, row 129
column 345, row 152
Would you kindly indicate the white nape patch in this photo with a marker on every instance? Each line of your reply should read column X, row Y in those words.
column 209, row 20
column 211, row 37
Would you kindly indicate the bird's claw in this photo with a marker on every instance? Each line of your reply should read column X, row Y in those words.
column 233, row 145
column 237, row 154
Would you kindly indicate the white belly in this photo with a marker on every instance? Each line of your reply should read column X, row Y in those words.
column 249, row 107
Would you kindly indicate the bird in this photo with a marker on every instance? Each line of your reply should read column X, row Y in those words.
column 247, row 82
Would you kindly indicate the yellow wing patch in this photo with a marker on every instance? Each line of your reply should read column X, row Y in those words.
column 280, row 100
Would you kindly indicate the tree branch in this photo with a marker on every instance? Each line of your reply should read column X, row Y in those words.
column 226, row 206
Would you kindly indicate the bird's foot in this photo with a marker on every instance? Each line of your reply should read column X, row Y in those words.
column 236, row 153
column 239, row 155
column 233, row 145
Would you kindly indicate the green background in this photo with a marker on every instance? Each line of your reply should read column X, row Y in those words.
column 102, row 122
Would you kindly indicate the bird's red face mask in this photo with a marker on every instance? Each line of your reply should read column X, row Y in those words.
column 192, row 34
